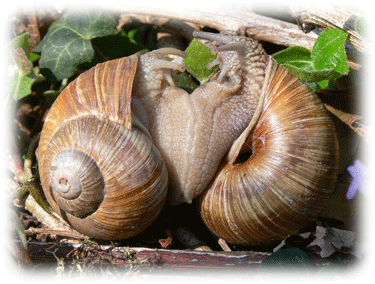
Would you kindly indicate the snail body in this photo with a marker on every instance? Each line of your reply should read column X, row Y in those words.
column 157, row 138
column 194, row 131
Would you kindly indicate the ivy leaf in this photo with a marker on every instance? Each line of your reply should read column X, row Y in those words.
column 22, row 75
column 323, row 65
column 67, row 43
column 295, row 55
column 21, row 72
column 329, row 53
column 21, row 41
column 198, row 56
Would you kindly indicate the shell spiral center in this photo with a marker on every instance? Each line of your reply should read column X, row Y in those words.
column 76, row 177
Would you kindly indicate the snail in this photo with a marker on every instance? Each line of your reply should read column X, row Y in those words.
column 122, row 139
column 98, row 166
column 292, row 169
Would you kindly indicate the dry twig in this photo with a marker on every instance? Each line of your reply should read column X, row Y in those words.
column 228, row 18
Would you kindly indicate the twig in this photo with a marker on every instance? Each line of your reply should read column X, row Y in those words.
column 308, row 15
column 39, row 199
column 178, row 259
column 33, row 27
column 15, row 162
column 49, row 220
column 229, row 18
column 64, row 233
column 163, row 258
column 351, row 120
column 223, row 244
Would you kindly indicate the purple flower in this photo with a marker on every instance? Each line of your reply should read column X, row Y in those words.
column 359, row 173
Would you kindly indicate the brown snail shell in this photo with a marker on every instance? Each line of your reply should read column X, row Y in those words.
column 290, row 174
column 99, row 168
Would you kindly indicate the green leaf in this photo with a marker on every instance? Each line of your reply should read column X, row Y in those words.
column 198, row 56
column 131, row 35
column 307, row 73
column 21, row 85
column 289, row 260
column 22, row 41
column 67, row 43
column 20, row 69
column 185, row 81
column 323, row 65
column 329, row 51
column 293, row 55
column 34, row 57
column 124, row 43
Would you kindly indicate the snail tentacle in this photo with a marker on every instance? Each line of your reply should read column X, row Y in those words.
column 170, row 51
column 212, row 36
column 154, row 73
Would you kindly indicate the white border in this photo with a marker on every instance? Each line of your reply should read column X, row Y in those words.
column 360, row 273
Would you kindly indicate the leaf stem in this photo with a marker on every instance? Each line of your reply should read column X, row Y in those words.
column 28, row 178
column 30, row 156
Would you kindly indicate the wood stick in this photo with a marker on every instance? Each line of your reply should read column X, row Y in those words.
column 229, row 18
column 158, row 258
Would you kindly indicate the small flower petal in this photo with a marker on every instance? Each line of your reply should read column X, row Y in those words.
column 359, row 172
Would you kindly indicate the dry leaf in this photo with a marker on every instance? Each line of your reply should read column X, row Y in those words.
column 332, row 239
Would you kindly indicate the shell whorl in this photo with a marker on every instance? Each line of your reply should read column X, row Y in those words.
column 77, row 184
column 99, row 168
column 289, row 175
column 66, row 174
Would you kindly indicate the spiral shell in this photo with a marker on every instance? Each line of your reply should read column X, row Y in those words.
column 98, row 166
column 290, row 174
